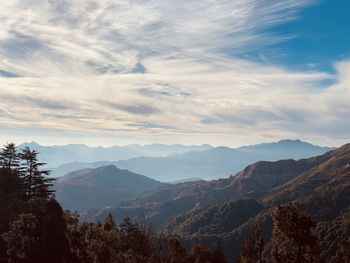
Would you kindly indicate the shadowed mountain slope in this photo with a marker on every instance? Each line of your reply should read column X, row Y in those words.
column 322, row 191
column 162, row 203
column 100, row 187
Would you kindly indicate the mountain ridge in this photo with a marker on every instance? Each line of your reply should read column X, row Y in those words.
column 60, row 154
column 323, row 191
column 208, row 164
column 255, row 181
column 97, row 188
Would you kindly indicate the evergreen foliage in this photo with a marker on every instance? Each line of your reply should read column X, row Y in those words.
column 253, row 248
column 343, row 252
column 218, row 254
column 293, row 238
column 36, row 182
column 9, row 158
column 38, row 234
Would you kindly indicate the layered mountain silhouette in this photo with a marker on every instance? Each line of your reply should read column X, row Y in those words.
column 206, row 164
column 58, row 155
column 227, row 209
column 100, row 187
column 254, row 181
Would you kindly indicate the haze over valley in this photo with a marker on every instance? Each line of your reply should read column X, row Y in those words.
column 168, row 163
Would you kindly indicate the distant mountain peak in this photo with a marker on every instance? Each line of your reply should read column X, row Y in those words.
column 285, row 143
column 291, row 141
column 295, row 141
column 108, row 168
column 32, row 143
column 100, row 187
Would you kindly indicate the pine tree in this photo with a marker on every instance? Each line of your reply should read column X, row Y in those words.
column 176, row 253
column 9, row 158
column 218, row 254
column 137, row 238
column 293, row 239
column 109, row 223
column 37, row 185
column 22, row 239
column 260, row 242
column 253, row 246
column 12, row 197
column 343, row 252
column 39, row 234
column 201, row 254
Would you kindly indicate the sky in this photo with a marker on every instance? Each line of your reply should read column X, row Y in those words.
column 223, row 72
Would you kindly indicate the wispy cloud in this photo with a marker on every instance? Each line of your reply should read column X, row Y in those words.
column 164, row 69
column 59, row 38
column 137, row 109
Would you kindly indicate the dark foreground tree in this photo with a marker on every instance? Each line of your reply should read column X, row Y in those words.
column 201, row 254
column 38, row 234
column 343, row 252
column 32, row 226
column 9, row 158
column 218, row 254
column 12, row 201
column 174, row 252
column 253, row 247
column 293, row 237
column 36, row 182
column 109, row 223
column 11, row 196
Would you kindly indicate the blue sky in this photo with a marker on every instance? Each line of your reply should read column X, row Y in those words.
column 200, row 71
column 321, row 36
column 316, row 40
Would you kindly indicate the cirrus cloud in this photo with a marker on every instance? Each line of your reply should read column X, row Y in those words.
column 165, row 70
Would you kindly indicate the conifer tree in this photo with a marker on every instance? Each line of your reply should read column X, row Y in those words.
column 9, row 158
column 176, row 253
column 37, row 185
column 253, row 246
column 137, row 238
column 293, row 239
column 109, row 223
column 218, row 254
column 12, row 192
column 343, row 252
column 201, row 254
column 38, row 234
column 260, row 242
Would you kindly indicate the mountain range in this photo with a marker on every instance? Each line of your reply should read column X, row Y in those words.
column 205, row 162
column 100, row 187
column 227, row 209
column 166, row 201
column 58, row 155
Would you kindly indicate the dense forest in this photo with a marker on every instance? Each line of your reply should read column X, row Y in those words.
column 34, row 228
